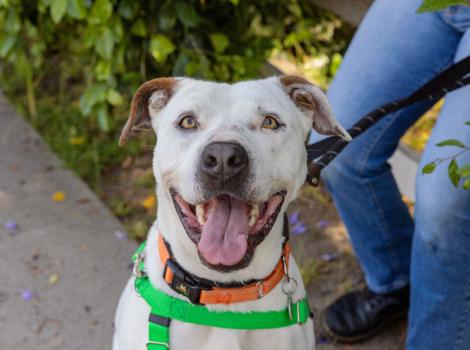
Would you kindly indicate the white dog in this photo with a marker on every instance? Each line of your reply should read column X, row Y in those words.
column 228, row 161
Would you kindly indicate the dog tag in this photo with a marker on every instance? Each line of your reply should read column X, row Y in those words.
column 289, row 286
column 289, row 305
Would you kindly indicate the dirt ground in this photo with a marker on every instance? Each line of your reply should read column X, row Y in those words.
column 319, row 239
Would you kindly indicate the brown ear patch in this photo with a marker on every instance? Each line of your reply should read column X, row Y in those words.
column 311, row 100
column 302, row 99
column 139, row 115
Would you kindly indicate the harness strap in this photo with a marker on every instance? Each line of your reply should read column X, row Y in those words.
column 164, row 306
column 159, row 332
column 452, row 78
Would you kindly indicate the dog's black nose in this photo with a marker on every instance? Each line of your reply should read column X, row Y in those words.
column 223, row 160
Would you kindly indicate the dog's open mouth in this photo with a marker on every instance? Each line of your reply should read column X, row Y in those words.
column 225, row 229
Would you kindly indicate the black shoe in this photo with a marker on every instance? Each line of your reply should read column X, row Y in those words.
column 360, row 315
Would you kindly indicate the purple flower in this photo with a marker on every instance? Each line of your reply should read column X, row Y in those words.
column 299, row 228
column 120, row 235
column 322, row 340
column 10, row 225
column 329, row 257
column 27, row 294
column 294, row 218
column 322, row 224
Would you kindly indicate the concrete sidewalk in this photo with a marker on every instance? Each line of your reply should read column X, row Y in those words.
column 62, row 269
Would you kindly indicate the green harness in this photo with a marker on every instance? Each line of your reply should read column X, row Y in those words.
column 164, row 308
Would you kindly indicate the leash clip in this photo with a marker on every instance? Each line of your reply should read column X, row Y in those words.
column 137, row 271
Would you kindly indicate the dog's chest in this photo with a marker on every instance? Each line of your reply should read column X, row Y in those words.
column 185, row 336
column 132, row 332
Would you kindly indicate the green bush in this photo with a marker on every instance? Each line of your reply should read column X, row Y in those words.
column 72, row 65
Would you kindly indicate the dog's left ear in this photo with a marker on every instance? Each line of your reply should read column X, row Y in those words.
column 151, row 95
column 313, row 102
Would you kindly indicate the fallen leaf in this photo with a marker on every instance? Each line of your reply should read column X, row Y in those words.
column 58, row 196
column 54, row 279
column 79, row 140
column 149, row 202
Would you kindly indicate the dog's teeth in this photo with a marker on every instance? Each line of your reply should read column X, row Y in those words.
column 254, row 212
column 200, row 214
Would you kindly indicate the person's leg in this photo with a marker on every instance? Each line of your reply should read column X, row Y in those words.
column 440, row 290
column 393, row 52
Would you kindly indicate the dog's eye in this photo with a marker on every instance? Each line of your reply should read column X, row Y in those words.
column 187, row 122
column 270, row 122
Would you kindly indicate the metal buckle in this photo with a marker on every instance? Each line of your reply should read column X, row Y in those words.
column 183, row 283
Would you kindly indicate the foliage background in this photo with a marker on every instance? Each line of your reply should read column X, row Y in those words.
column 71, row 66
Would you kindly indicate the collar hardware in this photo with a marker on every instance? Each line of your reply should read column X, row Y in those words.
column 165, row 308
column 182, row 282
column 200, row 291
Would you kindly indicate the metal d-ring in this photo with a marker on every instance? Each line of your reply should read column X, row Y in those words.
column 287, row 283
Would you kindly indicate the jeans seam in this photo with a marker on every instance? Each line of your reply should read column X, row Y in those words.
column 369, row 188
column 463, row 318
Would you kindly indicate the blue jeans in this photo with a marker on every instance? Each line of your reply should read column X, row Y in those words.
column 395, row 51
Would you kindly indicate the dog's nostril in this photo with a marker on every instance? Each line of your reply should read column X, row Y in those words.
column 233, row 161
column 210, row 161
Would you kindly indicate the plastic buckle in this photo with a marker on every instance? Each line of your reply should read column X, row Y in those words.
column 183, row 283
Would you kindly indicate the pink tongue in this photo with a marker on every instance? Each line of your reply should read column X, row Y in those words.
column 224, row 235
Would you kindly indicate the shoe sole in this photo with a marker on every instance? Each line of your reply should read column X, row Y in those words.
column 332, row 336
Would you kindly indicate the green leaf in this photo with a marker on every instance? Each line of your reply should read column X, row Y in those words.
column 114, row 98
column 102, row 117
column 104, row 44
column 93, row 95
column 436, row 5
column 160, row 47
column 128, row 9
column 76, row 9
column 58, row 9
column 101, row 11
column 464, row 171
column 219, row 41
column 179, row 68
column 467, row 123
column 12, row 22
column 6, row 44
column 117, row 29
column 453, row 172
column 466, row 184
column 166, row 18
column 103, row 70
column 186, row 14
column 138, row 28
column 451, row 142
column 429, row 168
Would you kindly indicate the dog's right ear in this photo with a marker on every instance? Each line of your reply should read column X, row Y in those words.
column 151, row 95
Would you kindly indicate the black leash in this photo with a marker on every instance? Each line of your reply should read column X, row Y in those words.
column 321, row 153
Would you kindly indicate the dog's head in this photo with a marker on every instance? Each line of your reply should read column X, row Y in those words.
column 230, row 157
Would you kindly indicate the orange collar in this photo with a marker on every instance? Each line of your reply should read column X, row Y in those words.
column 200, row 291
